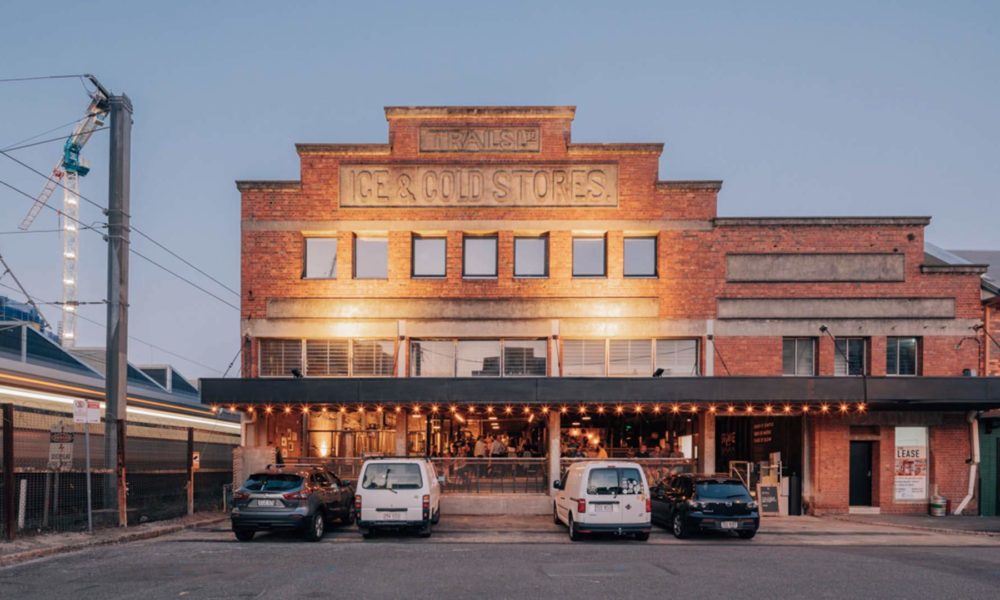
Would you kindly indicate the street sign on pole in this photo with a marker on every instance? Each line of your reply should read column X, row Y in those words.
column 61, row 446
column 86, row 411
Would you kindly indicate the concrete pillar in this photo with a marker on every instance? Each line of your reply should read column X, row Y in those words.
column 554, row 431
column 402, row 419
column 706, row 442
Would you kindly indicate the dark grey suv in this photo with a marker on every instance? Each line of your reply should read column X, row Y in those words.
column 290, row 497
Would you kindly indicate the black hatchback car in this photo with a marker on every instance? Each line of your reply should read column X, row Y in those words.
column 289, row 497
column 689, row 503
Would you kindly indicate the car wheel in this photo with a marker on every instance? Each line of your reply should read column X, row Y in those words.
column 244, row 535
column 747, row 535
column 425, row 531
column 574, row 535
column 679, row 528
column 348, row 517
column 555, row 514
column 366, row 533
column 437, row 517
column 317, row 525
column 642, row 536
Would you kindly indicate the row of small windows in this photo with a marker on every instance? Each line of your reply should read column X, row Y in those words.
column 479, row 257
column 479, row 357
column 798, row 356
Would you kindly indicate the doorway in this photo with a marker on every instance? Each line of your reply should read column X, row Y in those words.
column 861, row 474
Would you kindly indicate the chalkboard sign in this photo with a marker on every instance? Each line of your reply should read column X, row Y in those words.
column 767, row 498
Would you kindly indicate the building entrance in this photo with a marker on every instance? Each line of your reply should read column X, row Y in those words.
column 861, row 474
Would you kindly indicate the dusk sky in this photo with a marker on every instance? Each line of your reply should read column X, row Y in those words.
column 844, row 108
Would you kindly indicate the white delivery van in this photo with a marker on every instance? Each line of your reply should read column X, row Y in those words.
column 603, row 496
column 397, row 493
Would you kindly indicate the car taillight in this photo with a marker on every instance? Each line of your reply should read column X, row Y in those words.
column 581, row 505
column 241, row 495
column 302, row 494
column 357, row 502
column 427, row 507
column 649, row 505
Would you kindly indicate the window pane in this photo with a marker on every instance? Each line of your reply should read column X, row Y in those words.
column 677, row 358
column 588, row 257
column 371, row 258
column 478, row 358
column 804, row 362
column 583, row 358
column 480, row 257
column 630, row 358
column 327, row 358
column 321, row 258
column 279, row 357
column 530, row 257
column 428, row 257
column 640, row 257
column 372, row 358
column 432, row 358
column 788, row 356
column 524, row 358
column 892, row 356
column 907, row 356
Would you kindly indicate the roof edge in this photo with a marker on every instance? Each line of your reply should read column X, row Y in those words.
column 275, row 184
column 479, row 112
column 617, row 147
column 969, row 268
column 713, row 185
column 822, row 221
column 342, row 148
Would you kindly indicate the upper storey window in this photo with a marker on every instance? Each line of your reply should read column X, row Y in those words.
column 429, row 256
column 479, row 258
column 589, row 257
column 798, row 356
column 901, row 356
column 849, row 357
column 371, row 258
column 531, row 256
column 321, row 258
column 640, row 257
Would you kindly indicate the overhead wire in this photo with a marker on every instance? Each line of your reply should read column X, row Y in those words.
column 40, row 77
column 56, row 128
column 61, row 138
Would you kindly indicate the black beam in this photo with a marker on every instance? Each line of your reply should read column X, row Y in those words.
column 9, row 497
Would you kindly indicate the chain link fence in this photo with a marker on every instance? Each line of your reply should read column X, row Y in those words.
column 51, row 495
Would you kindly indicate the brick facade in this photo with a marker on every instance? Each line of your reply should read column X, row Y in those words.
column 693, row 246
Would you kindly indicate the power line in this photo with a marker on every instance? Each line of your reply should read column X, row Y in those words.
column 50, row 207
column 19, row 232
column 182, row 278
column 56, row 128
column 40, row 77
column 183, row 260
column 53, row 180
column 61, row 138
column 131, row 337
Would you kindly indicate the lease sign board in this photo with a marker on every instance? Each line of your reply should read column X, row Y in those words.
column 911, row 463
column 61, row 446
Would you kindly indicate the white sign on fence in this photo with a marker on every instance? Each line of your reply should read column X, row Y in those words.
column 86, row 411
column 61, row 446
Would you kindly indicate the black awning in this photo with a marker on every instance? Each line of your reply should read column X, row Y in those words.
column 940, row 393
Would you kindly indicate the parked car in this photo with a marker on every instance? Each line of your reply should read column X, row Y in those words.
column 398, row 493
column 603, row 496
column 690, row 503
column 290, row 497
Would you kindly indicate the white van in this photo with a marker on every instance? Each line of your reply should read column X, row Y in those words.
column 603, row 496
column 397, row 493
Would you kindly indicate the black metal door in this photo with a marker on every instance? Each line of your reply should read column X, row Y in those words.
column 861, row 474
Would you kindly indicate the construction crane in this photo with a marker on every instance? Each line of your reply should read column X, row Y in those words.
column 67, row 174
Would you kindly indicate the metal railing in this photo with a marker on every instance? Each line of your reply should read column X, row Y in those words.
column 656, row 469
column 493, row 475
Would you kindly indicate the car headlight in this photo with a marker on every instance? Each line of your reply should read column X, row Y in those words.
column 752, row 505
column 695, row 504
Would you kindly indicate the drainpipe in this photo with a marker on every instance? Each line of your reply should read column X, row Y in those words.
column 974, row 430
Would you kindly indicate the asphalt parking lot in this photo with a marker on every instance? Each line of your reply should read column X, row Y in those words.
column 525, row 557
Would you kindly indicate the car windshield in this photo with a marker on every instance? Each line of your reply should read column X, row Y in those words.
column 392, row 476
column 611, row 480
column 272, row 482
column 721, row 490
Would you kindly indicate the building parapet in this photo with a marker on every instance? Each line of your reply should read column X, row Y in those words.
column 822, row 221
column 276, row 184
column 712, row 185
column 479, row 112
column 343, row 149
column 954, row 269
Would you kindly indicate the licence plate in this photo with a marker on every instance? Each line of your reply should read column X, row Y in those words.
column 728, row 524
column 390, row 516
column 604, row 508
column 265, row 502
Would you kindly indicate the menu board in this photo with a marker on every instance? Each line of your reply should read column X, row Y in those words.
column 911, row 463
column 767, row 498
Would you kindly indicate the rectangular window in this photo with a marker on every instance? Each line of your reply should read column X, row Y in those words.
column 531, row 257
column 583, row 358
column 849, row 357
column 478, row 358
column 798, row 356
column 677, row 358
column 279, row 357
column 589, row 259
column 630, row 358
column 372, row 358
column 371, row 258
column 327, row 358
column 901, row 356
column 524, row 358
column 479, row 256
column 321, row 258
column 428, row 256
column 640, row 257
column 432, row 358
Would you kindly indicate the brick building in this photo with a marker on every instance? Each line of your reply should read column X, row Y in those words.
column 483, row 275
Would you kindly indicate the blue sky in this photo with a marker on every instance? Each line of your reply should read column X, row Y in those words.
column 837, row 108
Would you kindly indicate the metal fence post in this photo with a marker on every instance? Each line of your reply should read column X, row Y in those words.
column 9, row 505
column 190, row 471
